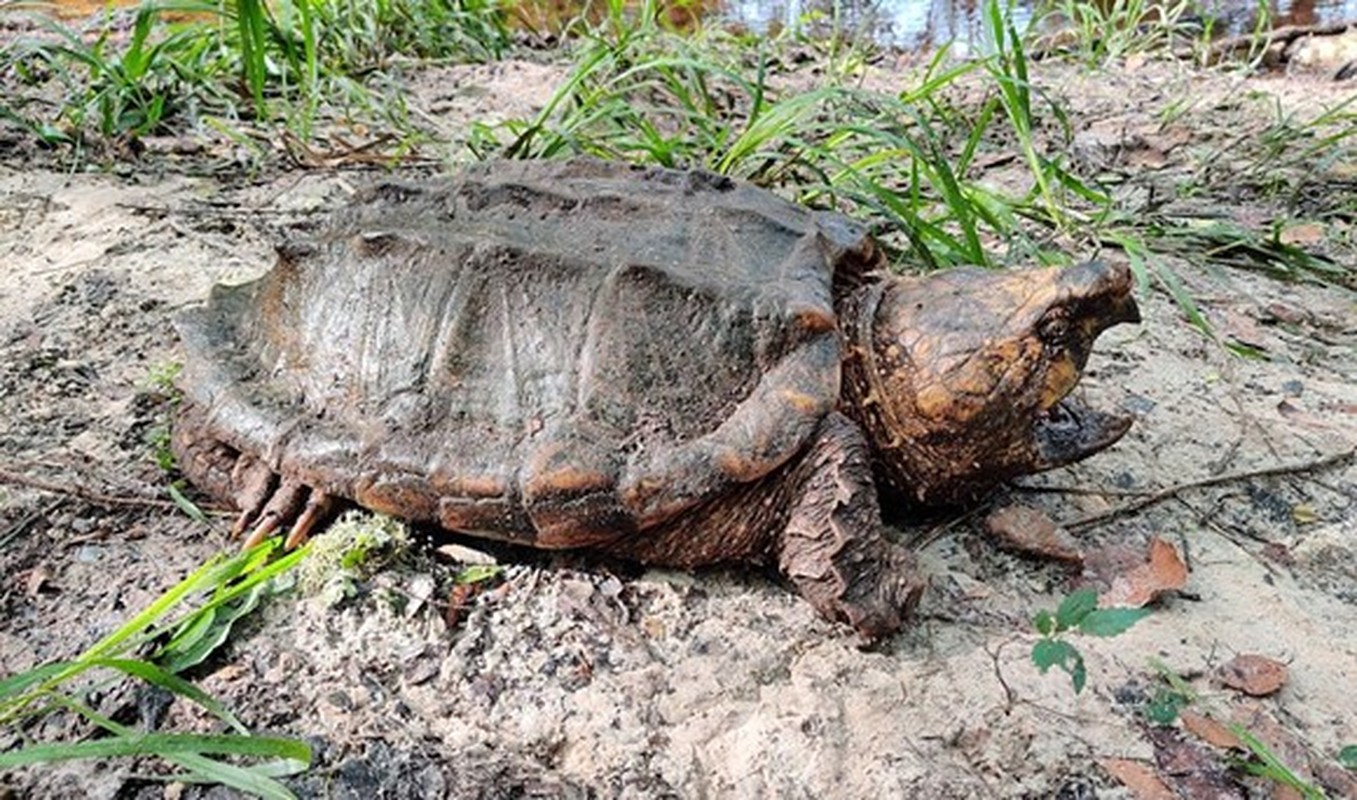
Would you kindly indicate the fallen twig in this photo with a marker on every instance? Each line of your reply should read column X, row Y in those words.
column 87, row 494
column 1216, row 480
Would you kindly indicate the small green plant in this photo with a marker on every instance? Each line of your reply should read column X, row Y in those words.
column 173, row 635
column 477, row 573
column 1078, row 613
column 116, row 87
column 1054, row 186
column 1176, row 694
column 1348, row 757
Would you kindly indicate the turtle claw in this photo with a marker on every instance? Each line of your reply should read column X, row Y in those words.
column 319, row 505
column 284, row 505
column 254, row 484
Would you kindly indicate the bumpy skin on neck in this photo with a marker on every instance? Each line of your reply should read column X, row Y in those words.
column 960, row 378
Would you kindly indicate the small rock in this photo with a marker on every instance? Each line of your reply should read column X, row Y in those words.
column 89, row 553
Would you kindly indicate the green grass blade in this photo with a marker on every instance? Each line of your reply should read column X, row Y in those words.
column 160, row 744
column 156, row 676
column 256, row 780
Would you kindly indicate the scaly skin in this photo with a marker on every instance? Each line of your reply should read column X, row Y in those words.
column 960, row 379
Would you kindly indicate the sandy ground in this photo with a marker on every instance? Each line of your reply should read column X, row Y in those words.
column 580, row 679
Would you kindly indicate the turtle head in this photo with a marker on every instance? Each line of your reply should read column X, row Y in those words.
column 962, row 378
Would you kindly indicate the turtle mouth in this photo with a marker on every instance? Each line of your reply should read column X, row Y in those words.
column 1070, row 431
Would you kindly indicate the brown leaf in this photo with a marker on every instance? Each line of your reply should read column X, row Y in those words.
column 1293, row 410
column 1031, row 531
column 1163, row 571
column 1139, row 778
column 1288, row 314
column 1280, row 553
column 459, row 599
column 1191, row 769
column 1302, row 234
column 1209, row 730
column 38, row 579
column 1253, row 674
column 1338, row 781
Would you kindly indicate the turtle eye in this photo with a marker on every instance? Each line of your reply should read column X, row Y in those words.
column 1054, row 327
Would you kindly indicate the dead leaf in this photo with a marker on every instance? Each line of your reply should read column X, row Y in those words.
column 1190, row 768
column 1253, row 674
column 465, row 555
column 1209, row 730
column 37, row 580
column 1030, row 530
column 1163, row 571
column 1293, row 410
column 459, row 599
column 1304, row 514
column 1139, row 778
column 1280, row 553
column 1338, row 781
column 1302, row 234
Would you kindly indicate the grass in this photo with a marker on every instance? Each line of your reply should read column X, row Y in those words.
column 176, row 632
column 644, row 94
column 187, row 62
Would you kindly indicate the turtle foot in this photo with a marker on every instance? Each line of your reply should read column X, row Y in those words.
column 834, row 549
column 268, row 502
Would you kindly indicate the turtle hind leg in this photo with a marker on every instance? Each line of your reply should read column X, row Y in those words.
column 267, row 502
column 833, row 548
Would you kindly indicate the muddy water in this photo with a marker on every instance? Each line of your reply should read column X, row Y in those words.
column 909, row 24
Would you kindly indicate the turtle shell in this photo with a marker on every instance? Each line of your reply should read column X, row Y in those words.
column 556, row 353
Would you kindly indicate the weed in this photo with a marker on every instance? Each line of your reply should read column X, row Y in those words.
column 176, row 638
column 1078, row 612
column 1102, row 32
column 643, row 94
column 478, row 573
column 118, row 88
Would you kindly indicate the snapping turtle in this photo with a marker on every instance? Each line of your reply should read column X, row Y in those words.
column 671, row 367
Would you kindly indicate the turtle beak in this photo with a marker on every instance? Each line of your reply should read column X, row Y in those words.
column 1123, row 309
column 1068, row 430
column 1071, row 431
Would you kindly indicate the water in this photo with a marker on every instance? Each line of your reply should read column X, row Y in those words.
column 907, row 24
column 926, row 24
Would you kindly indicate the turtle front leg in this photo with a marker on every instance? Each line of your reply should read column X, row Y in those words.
column 267, row 502
column 833, row 548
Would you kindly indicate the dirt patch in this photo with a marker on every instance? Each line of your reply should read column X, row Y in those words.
column 572, row 680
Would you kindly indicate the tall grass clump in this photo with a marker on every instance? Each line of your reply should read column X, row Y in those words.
column 639, row 92
column 242, row 61
column 1099, row 33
